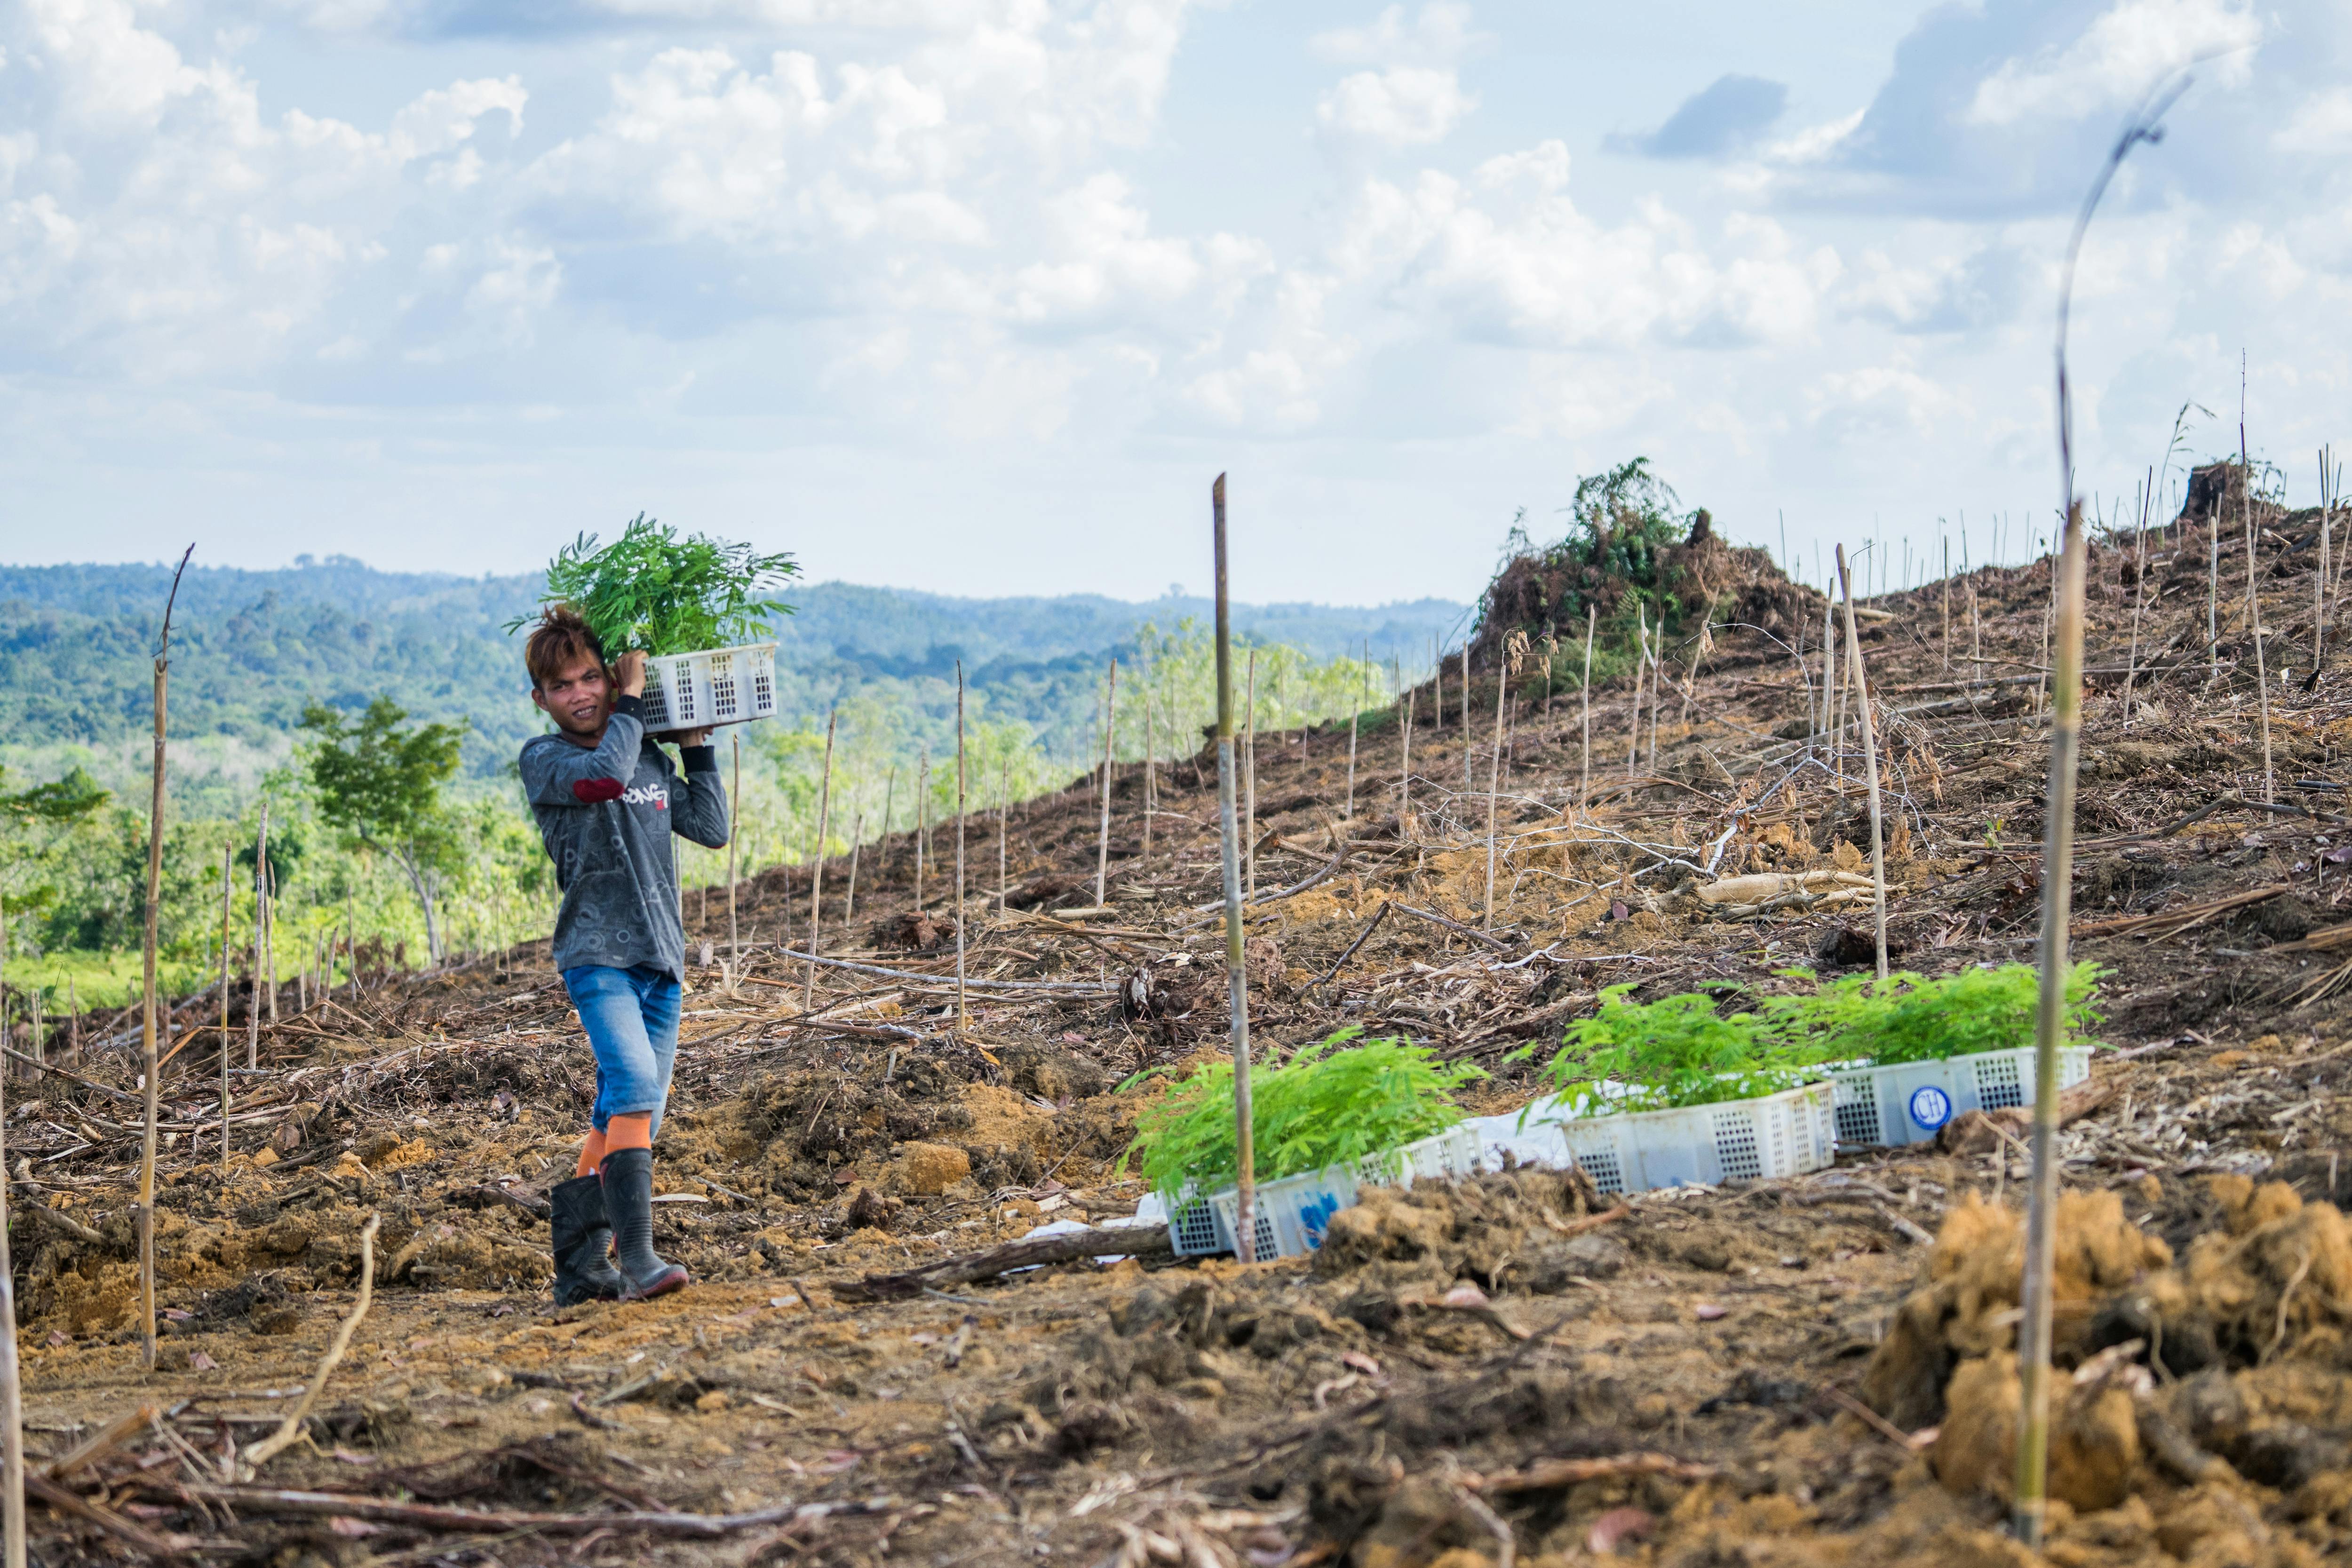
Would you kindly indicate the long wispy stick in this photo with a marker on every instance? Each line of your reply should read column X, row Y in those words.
column 1236, row 976
column 816, row 873
column 2031, row 1489
column 149, row 1071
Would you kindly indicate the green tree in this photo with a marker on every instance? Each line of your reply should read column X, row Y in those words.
column 379, row 785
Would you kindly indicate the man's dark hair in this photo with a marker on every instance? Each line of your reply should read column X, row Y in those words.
column 560, row 638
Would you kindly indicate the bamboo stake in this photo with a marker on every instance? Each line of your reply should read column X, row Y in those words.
column 2057, row 884
column 2213, row 598
column 12, row 1400
column 2139, row 594
column 964, row 1018
column 253, row 1007
column 1249, row 788
column 1347, row 810
column 150, row 1072
column 228, row 862
column 1641, row 664
column 1437, row 694
column 1976, row 626
column 2319, row 578
column 1495, row 769
column 1657, row 687
column 1004, row 804
column 1869, row 763
column 816, row 874
column 1151, row 774
column 1467, row 783
column 1584, row 691
column 856, row 844
column 734, row 930
column 1110, row 728
column 1948, row 606
column 2253, row 599
column 922, row 820
column 1237, row 977
column 889, row 799
column 1404, row 770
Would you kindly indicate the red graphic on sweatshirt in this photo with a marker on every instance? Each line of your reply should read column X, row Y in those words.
column 595, row 792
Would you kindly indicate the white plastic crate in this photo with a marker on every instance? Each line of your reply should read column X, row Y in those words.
column 1910, row 1102
column 716, row 686
column 1783, row 1134
column 1289, row 1213
column 1194, row 1226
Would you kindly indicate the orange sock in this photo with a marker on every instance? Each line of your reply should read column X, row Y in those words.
column 592, row 1154
column 632, row 1132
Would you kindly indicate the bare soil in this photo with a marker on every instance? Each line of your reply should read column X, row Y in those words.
column 1517, row 1369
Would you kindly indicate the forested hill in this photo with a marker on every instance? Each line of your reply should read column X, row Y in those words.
column 250, row 648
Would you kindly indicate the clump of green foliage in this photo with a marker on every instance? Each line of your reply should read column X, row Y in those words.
column 1333, row 1103
column 658, row 592
column 1908, row 1017
column 1676, row 1052
column 1681, row 1051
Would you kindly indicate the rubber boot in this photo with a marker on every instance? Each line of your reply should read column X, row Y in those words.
column 582, row 1236
column 628, row 1178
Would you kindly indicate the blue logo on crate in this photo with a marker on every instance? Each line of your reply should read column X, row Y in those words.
column 1315, row 1215
column 1930, row 1107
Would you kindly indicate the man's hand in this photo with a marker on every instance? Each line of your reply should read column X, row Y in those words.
column 629, row 674
column 689, row 737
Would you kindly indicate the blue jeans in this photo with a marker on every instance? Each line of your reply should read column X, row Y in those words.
column 631, row 1016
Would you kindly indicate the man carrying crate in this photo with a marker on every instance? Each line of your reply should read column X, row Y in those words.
column 607, row 801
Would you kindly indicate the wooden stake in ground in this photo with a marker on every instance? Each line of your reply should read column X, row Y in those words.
column 816, row 873
column 2319, row 578
column 889, row 798
column 2034, row 1332
column 734, row 932
column 1467, row 783
column 228, row 862
column 1249, row 787
column 1348, row 811
column 1404, row 771
column 922, row 820
column 856, row 844
column 12, row 1398
column 149, row 1070
column 1150, row 773
column 1870, row 765
column 1236, row 978
column 2253, row 596
column 1948, row 606
column 1110, row 728
column 1584, row 763
column 1004, row 804
column 1641, row 664
column 963, row 1019
column 1514, row 646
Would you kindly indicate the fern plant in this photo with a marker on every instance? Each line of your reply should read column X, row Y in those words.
column 1676, row 1052
column 655, row 591
column 1334, row 1104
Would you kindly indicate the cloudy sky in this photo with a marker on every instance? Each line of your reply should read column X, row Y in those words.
column 977, row 295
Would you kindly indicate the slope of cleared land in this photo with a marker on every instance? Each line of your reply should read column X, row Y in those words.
column 1516, row 1369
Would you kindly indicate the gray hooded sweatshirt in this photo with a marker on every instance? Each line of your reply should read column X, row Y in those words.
column 605, row 816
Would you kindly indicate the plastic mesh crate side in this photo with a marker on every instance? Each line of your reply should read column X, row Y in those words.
column 760, row 661
column 2001, row 1081
column 1193, row 1228
column 726, row 704
column 1738, row 1149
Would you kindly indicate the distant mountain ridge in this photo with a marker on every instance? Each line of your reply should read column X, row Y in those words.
column 251, row 647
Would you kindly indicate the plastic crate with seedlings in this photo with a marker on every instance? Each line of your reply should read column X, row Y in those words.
column 1337, row 1116
column 690, row 603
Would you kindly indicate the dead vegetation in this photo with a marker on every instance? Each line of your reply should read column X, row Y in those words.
column 1518, row 1369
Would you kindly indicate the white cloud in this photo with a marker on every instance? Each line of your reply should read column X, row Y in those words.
column 1403, row 106
column 2123, row 52
column 1439, row 35
column 2323, row 124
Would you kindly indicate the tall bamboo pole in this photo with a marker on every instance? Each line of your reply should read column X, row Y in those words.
column 12, row 1399
column 2057, row 886
column 1870, row 764
column 1110, row 728
column 2253, row 598
column 227, row 864
column 735, row 931
column 922, row 820
column 1237, row 979
column 1249, row 786
column 1494, row 776
column 889, row 799
column 2319, row 579
column 1584, row 763
column 1004, row 805
column 149, row 1073
column 1150, row 773
column 964, row 1018
column 816, row 873
column 1404, row 769
column 1947, row 605
column 1641, row 666
column 1468, row 781
column 1348, row 811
